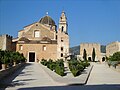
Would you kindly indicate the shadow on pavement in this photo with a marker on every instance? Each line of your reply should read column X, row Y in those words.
column 78, row 87
column 7, row 81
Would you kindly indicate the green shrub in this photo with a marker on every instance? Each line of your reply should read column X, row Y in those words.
column 58, row 66
column 76, row 67
column 51, row 65
column 75, row 72
column 59, row 70
column 44, row 62
column 84, row 64
column 8, row 57
column 114, row 60
column 80, row 67
column 109, row 63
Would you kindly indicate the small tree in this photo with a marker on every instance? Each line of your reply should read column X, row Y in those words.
column 115, row 57
column 84, row 55
column 93, row 55
column 4, row 59
column 16, row 57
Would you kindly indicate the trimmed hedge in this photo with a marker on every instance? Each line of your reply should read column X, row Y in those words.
column 57, row 66
column 76, row 67
column 59, row 70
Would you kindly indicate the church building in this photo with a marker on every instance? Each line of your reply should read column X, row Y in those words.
column 43, row 40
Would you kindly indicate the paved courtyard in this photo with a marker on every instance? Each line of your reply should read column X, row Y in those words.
column 33, row 77
column 102, row 74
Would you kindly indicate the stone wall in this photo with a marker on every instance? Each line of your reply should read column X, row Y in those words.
column 1, row 41
column 89, row 49
column 113, row 47
column 49, row 53
column 6, row 42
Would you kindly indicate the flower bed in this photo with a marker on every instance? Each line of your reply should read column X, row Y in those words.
column 56, row 66
column 76, row 67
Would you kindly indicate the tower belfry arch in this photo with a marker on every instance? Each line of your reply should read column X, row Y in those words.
column 63, row 25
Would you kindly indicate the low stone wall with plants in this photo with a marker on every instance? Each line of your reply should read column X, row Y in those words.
column 69, row 80
column 9, row 59
column 77, row 67
column 56, row 66
column 9, row 71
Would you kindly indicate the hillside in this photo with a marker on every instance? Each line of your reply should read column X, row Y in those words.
column 75, row 50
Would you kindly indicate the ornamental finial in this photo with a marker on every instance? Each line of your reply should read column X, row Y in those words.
column 46, row 13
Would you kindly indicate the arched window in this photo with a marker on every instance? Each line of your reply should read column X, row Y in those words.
column 36, row 33
column 62, row 28
column 61, row 48
column 61, row 54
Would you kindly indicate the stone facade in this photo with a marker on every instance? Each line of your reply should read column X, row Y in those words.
column 89, row 49
column 29, row 32
column 111, row 48
column 99, row 50
column 38, row 49
column 41, row 40
column 6, row 42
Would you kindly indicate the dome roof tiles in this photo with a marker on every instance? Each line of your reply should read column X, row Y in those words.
column 47, row 20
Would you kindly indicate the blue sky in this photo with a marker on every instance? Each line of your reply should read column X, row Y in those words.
column 88, row 20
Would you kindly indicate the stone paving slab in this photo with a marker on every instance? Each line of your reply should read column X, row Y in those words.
column 102, row 74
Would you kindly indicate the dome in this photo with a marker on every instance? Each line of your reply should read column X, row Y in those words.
column 47, row 20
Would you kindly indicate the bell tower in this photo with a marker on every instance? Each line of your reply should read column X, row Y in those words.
column 63, row 25
column 63, row 38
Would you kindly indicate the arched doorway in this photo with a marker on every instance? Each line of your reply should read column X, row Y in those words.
column 89, row 58
column 103, row 59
